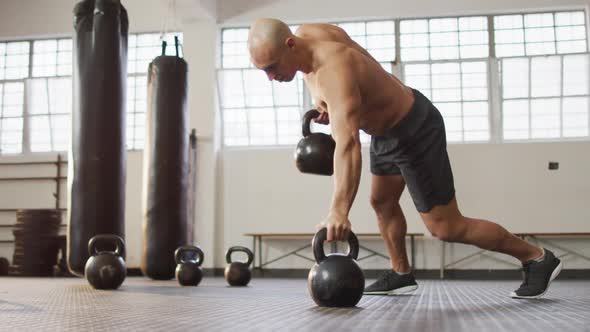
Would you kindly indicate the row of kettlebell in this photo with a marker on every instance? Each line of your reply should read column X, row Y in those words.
column 190, row 258
column 107, row 269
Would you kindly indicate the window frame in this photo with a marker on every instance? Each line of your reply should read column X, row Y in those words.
column 460, row 61
column 26, row 113
column 523, row 13
column 530, row 98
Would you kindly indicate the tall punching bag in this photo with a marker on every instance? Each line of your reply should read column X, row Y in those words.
column 97, row 156
column 166, row 166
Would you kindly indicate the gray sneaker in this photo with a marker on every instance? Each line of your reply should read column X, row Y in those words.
column 391, row 283
column 538, row 276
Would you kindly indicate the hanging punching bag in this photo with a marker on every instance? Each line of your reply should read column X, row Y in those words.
column 166, row 166
column 97, row 156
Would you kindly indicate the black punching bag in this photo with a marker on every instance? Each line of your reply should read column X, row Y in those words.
column 97, row 160
column 166, row 166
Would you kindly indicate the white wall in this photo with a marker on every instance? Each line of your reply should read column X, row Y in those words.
column 248, row 190
column 506, row 183
column 509, row 183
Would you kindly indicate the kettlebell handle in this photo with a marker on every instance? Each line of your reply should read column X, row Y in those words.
column 239, row 249
column 109, row 238
column 318, row 245
column 307, row 117
column 181, row 250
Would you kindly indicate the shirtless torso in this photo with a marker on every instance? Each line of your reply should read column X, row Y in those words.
column 384, row 99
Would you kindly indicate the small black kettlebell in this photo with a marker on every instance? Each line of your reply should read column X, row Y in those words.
column 106, row 269
column 315, row 151
column 238, row 273
column 336, row 280
column 188, row 271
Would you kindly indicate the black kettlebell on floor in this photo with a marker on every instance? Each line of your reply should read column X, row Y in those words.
column 106, row 269
column 315, row 151
column 188, row 271
column 238, row 273
column 335, row 280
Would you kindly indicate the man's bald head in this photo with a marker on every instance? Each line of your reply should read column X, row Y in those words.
column 267, row 39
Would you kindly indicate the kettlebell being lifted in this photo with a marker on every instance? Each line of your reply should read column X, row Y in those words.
column 188, row 271
column 238, row 273
column 315, row 151
column 335, row 280
column 106, row 269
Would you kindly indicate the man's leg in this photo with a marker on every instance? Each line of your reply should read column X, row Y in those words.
column 446, row 223
column 425, row 165
column 386, row 191
column 540, row 266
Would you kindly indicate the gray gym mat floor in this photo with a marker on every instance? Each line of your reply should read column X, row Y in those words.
column 68, row 304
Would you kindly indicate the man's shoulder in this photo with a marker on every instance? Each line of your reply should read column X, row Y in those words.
column 336, row 55
column 339, row 65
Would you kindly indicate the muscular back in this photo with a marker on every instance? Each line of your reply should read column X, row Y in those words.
column 385, row 99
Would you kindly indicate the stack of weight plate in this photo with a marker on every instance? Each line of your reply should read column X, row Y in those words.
column 35, row 242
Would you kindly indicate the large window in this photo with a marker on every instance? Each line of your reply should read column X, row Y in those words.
column 52, row 58
column 11, row 118
column 49, row 106
column 14, row 66
column 36, row 92
column 377, row 37
column 14, row 60
column 529, row 70
column 142, row 49
column 544, row 82
column 255, row 110
column 136, row 110
column 444, row 38
column 435, row 54
column 49, row 95
column 545, row 97
column 542, row 33
column 234, row 49
column 460, row 91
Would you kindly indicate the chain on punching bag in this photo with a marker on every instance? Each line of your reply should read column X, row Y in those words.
column 166, row 166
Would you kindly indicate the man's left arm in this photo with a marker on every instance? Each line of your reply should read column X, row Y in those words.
column 342, row 96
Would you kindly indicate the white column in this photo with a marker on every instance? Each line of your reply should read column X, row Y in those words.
column 200, row 37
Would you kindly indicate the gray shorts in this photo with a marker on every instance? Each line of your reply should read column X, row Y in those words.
column 416, row 148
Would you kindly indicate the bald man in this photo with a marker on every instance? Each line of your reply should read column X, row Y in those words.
column 408, row 146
